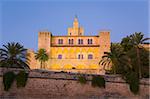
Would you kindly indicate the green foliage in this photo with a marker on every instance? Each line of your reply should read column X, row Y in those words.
column 82, row 79
column 13, row 55
column 126, row 43
column 21, row 79
column 112, row 58
column 133, row 80
column 98, row 81
column 134, row 87
column 42, row 56
column 8, row 79
column 130, row 60
column 137, row 55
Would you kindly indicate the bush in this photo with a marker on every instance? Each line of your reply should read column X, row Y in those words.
column 134, row 87
column 8, row 79
column 21, row 79
column 98, row 81
column 133, row 80
column 82, row 79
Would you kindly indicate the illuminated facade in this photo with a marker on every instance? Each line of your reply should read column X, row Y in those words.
column 74, row 51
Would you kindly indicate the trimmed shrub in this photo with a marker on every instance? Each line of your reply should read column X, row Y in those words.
column 8, row 79
column 21, row 79
column 82, row 79
column 98, row 81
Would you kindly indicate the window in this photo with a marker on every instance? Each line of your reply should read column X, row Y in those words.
column 80, row 56
column 70, row 33
column 60, row 41
column 59, row 56
column 90, row 41
column 80, row 41
column 70, row 41
column 90, row 56
column 80, row 33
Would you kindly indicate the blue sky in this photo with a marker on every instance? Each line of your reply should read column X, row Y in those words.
column 21, row 20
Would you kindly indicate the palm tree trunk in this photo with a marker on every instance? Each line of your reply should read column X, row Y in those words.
column 44, row 65
column 139, row 62
column 41, row 65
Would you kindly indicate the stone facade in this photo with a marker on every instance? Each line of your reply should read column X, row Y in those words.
column 74, row 50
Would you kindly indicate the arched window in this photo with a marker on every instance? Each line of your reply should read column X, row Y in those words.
column 80, row 56
column 90, row 41
column 59, row 56
column 60, row 41
column 80, row 41
column 90, row 56
column 70, row 41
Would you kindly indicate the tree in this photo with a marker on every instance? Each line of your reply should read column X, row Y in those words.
column 132, row 42
column 126, row 43
column 42, row 56
column 13, row 55
column 113, row 57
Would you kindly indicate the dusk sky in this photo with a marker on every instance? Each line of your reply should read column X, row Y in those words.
column 21, row 20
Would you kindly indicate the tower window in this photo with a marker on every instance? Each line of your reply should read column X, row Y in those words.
column 70, row 33
column 59, row 56
column 90, row 56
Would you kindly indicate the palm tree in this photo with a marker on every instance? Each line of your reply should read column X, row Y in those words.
column 137, row 39
column 112, row 57
column 13, row 55
column 133, row 43
column 42, row 56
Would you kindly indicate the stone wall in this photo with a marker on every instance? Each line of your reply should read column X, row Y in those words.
column 44, row 84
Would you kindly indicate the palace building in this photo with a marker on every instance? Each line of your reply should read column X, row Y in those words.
column 74, row 52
